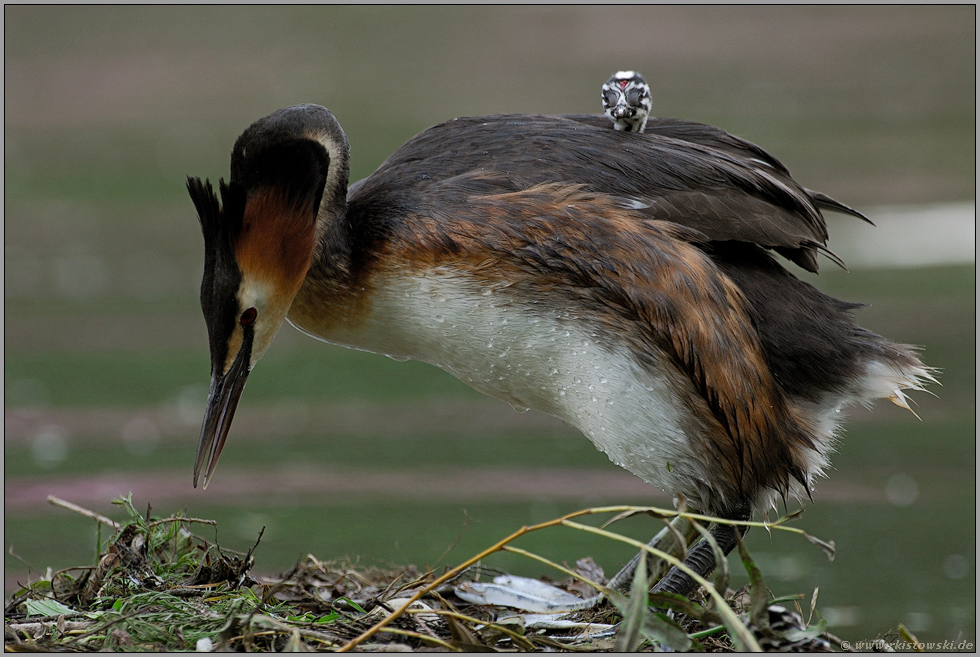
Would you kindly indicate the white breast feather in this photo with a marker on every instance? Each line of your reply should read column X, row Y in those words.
column 537, row 357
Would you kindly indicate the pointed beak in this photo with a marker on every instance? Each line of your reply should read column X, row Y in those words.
column 623, row 111
column 226, row 390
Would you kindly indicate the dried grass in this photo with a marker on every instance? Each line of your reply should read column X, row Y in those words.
column 158, row 586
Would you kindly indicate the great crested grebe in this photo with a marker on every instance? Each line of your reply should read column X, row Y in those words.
column 620, row 282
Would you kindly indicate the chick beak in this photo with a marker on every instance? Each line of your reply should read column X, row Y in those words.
column 623, row 111
column 226, row 390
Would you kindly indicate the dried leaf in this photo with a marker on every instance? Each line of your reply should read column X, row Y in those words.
column 589, row 569
column 295, row 643
column 629, row 514
column 462, row 636
column 910, row 638
column 827, row 546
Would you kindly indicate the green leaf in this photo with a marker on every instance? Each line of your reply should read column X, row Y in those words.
column 250, row 595
column 659, row 629
column 630, row 634
column 683, row 605
column 812, row 632
column 758, row 593
column 305, row 618
column 640, row 622
column 717, row 629
column 353, row 604
column 47, row 607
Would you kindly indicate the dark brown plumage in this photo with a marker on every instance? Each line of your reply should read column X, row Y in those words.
column 753, row 156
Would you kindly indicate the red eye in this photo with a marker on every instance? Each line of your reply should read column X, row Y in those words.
column 248, row 317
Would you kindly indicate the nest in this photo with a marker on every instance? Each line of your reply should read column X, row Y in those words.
column 158, row 586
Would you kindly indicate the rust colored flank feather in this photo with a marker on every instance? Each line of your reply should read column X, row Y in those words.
column 644, row 280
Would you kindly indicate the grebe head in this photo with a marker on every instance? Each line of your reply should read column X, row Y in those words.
column 258, row 245
column 626, row 101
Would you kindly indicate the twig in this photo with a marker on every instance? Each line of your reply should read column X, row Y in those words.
column 248, row 555
column 459, row 537
column 545, row 640
column 322, row 637
column 33, row 628
column 17, row 599
column 276, row 587
column 57, row 501
column 421, row 637
column 104, row 626
column 420, row 621
column 384, row 594
column 247, row 560
column 201, row 521
column 516, row 637
column 24, row 561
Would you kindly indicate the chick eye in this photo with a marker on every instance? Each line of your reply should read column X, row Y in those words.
column 248, row 317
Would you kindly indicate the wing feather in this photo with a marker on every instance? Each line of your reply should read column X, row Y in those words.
column 718, row 193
